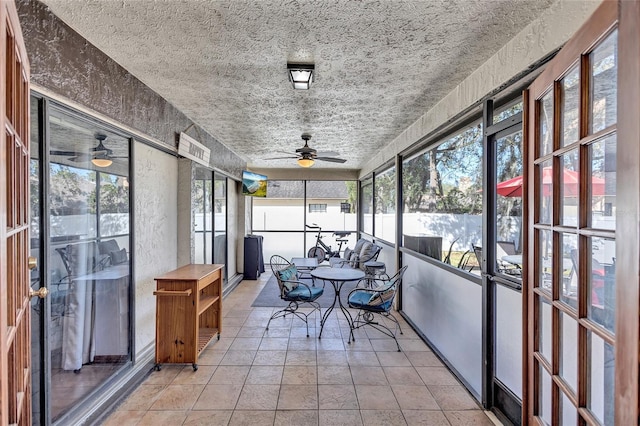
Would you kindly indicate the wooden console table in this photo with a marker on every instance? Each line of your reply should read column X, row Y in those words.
column 188, row 313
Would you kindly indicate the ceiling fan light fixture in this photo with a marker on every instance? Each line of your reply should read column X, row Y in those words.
column 101, row 162
column 300, row 75
column 305, row 162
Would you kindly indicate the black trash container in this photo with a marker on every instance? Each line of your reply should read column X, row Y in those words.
column 253, row 261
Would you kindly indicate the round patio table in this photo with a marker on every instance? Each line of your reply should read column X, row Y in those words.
column 337, row 277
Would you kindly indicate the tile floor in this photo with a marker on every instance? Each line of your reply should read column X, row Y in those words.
column 252, row 376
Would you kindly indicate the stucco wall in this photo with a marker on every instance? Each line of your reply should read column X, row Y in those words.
column 534, row 42
column 156, row 232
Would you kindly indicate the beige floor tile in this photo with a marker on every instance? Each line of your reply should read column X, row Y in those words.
column 359, row 345
column 301, row 358
column 245, row 344
column 337, row 397
column 302, row 344
column 252, row 418
column 329, row 344
column 199, row 377
column 384, row 345
column 218, row 397
column 265, row 375
column 234, row 321
column 340, row 417
column 230, row 375
column 300, row 375
column 258, row 397
column 335, row 375
column 331, row 332
column 250, row 331
column 452, row 398
column 276, row 331
column 254, row 376
column 274, row 344
column 369, row 376
column 270, row 358
column 260, row 313
column 331, row 357
column 376, row 398
column 414, row 397
column 402, row 376
column 124, row 418
column 382, row 417
column 468, row 418
column 210, row 358
column 425, row 417
column 257, row 322
column 297, row 418
column 238, row 313
column 362, row 359
column 163, row 418
column 142, row 398
column 375, row 334
column 238, row 357
column 177, row 397
column 221, row 345
column 393, row 359
column 298, row 330
column 423, row 359
column 208, row 418
column 437, row 376
column 165, row 376
column 298, row 397
column 230, row 330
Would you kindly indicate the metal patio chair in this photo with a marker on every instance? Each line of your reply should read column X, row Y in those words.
column 376, row 304
column 294, row 291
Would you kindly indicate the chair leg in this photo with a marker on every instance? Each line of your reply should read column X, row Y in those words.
column 292, row 309
column 369, row 318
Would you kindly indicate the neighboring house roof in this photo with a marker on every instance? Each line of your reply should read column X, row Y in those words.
column 315, row 189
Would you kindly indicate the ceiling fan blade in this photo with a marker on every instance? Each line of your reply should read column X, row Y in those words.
column 331, row 159
column 65, row 153
column 327, row 154
column 281, row 158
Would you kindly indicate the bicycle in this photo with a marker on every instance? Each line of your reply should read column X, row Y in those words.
column 323, row 252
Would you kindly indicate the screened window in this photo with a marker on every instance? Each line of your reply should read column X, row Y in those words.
column 366, row 195
column 385, row 205
column 290, row 205
column 442, row 199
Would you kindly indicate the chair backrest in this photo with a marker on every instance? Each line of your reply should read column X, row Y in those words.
column 278, row 263
column 477, row 250
column 390, row 288
column 508, row 247
column 283, row 271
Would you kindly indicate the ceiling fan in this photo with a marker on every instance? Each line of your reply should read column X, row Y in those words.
column 99, row 155
column 306, row 155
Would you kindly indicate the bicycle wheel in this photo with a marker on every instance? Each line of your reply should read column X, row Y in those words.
column 317, row 252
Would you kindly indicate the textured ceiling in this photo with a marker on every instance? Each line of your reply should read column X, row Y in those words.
column 380, row 64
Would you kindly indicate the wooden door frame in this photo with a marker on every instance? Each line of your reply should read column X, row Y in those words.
column 15, row 310
column 627, row 234
column 627, row 226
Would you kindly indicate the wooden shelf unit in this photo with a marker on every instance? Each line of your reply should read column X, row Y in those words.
column 188, row 313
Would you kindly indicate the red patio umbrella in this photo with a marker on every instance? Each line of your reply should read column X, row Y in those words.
column 513, row 187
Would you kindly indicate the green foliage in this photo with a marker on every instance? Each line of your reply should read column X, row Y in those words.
column 447, row 178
